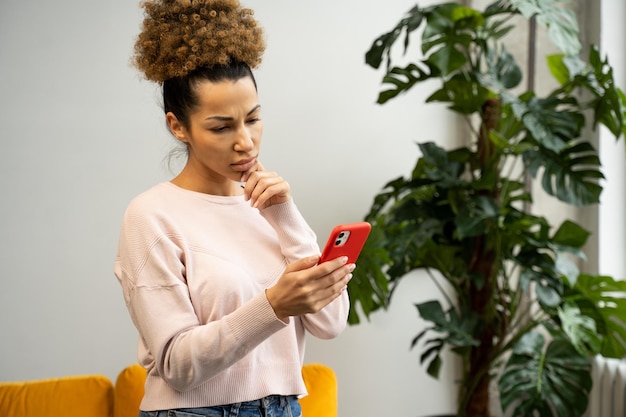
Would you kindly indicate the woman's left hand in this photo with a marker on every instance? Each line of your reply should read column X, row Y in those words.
column 264, row 188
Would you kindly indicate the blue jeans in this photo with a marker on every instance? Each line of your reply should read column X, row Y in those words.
column 271, row 406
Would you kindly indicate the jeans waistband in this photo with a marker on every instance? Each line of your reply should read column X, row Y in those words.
column 268, row 401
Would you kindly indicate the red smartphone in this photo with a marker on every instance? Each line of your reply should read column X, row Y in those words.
column 346, row 240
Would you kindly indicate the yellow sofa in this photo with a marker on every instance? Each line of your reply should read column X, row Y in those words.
column 96, row 396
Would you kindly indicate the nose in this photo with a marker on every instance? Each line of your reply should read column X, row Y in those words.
column 244, row 141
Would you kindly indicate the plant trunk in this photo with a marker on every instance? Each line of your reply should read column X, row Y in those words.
column 475, row 392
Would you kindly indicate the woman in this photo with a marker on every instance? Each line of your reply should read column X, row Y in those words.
column 219, row 270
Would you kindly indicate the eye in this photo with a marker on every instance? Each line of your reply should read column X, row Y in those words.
column 219, row 129
column 254, row 120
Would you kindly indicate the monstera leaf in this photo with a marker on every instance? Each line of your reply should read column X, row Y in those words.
column 602, row 299
column 554, row 382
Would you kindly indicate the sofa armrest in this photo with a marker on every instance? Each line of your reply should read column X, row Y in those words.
column 321, row 383
column 129, row 390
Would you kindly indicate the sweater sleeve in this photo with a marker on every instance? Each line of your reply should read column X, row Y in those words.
column 297, row 240
column 150, row 268
column 329, row 322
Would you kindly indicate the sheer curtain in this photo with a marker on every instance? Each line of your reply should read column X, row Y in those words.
column 612, row 210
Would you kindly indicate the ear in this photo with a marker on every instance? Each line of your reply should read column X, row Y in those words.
column 176, row 127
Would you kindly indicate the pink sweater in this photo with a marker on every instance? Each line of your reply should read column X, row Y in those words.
column 194, row 269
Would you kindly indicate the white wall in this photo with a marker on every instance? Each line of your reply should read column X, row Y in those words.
column 82, row 134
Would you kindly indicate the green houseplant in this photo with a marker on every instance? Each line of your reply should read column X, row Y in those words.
column 515, row 307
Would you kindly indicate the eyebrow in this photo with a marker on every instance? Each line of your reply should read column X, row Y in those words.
column 227, row 118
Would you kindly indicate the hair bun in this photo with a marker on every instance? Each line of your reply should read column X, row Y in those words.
column 179, row 36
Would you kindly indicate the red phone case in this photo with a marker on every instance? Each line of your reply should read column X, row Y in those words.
column 342, row 245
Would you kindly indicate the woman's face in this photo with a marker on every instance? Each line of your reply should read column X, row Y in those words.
column 223, row 138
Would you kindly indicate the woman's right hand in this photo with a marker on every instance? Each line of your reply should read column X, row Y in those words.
column 306, row 287
column 263, row 188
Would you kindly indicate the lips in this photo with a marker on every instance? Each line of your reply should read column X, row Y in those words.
column 244, row 164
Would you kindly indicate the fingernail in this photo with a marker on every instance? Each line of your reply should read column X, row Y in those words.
column 349, row 277
column 351, row 267
column 344, row 259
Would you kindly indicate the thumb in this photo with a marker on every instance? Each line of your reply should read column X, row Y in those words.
column 304, row 263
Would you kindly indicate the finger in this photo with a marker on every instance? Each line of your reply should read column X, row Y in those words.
column 342, row 275
column 337, row 282
column 326, row 280
column 331, row 293
column 259, row 181
column 268, row 189
column 249, row 184
column 333, row 264
column 264, row 186
column 302, row 264
column 252, row 179
column 257, row 167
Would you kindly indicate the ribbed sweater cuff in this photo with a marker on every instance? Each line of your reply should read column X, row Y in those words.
column 259, row 318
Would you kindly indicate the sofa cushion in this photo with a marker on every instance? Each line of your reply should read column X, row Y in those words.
column 72, row 396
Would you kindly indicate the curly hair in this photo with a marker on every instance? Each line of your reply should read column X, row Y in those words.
column 180, row 36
